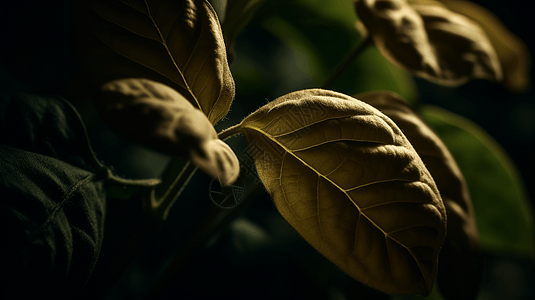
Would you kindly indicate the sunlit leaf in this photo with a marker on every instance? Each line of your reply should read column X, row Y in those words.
column 178, row 43
column 155, row 115
column 430, row 41
column 238, row 14
column 459, row 264
column 346, row 178
column 512, row 51
column 503, row 214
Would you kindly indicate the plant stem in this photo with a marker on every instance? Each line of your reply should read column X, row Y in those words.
column 367, row 41
column 230, row 131
column 160, row 206
column 214, row 220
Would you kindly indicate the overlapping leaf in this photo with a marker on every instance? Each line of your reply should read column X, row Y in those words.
column 53, row 198
column 178, row 43
column 159, row 116
column 430, row 41
column 459, row 265
column 512, row 51
column 346, row 178
column 504, row 215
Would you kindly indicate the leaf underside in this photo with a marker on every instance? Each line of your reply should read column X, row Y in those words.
column 178, row 43
column 344, row 176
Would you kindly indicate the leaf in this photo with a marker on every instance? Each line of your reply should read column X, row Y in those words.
column 503, row 214
column 155, row 115
column 346, row 178
column 430, row 41
column 48, row 126
column 512, row 51
column 238, row 14
column 178, row 43
column 460, row 266
column 53, row 198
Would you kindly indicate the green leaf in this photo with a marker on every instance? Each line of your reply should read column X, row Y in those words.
column 460, row 266
column 157, row 116
column 504, row 216
column 48, row 126
column 52, row 224
column 178, row 43
column 430, row 41
column 346, row 179
column 53, row 199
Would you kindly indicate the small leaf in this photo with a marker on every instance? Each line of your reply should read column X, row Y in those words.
column 178, row 43
column 157, row 116
column 238, row 14
column 346, row 178
column 512, row 51
column 459, row 264
column 430, row 41
column 503, row 213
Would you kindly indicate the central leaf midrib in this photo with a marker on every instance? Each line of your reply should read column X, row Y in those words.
column 338, row 187
column 164, row 43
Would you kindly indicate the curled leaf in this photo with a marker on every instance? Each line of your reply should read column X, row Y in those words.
column 178, row 43
column 347, row 180
column 155, row 115
column 459, row 264
column 512, row 51
column 430, row 41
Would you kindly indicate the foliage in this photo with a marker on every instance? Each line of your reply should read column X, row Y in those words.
column 397, row 196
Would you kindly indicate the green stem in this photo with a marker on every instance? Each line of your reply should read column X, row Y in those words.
column 363, row 45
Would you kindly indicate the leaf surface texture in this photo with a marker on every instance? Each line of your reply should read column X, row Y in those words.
column 178, row 43
column 460, row 267
column 430, row 41
column 346, row 178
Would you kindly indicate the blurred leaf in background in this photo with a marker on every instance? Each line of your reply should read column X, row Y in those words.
column 503, row 212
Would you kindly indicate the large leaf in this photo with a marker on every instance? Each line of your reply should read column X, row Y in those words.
column 346, row 178
column 178, row 43
column 158, row 116
column 53, row 199
column 430, row 41
column 512, row 51
column 503, row 214
column 459, row 264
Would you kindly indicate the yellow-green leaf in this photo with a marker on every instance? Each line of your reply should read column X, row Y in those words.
column 346, row 178
column 178, row 43
column 460, row 263
column 159, row 117
column 430, row 41
column 512, row 51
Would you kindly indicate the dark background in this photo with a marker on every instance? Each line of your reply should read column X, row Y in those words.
column 37, row 48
